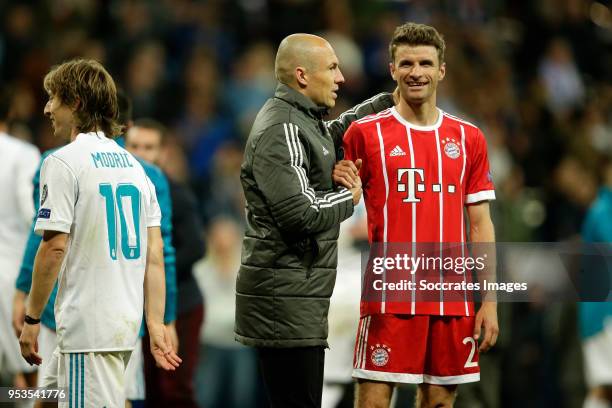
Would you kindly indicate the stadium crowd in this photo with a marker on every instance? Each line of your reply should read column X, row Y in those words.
column 534, row 75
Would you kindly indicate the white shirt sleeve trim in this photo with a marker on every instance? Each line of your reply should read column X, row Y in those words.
column 485, row 195
column 44, row 225
column 154, row 222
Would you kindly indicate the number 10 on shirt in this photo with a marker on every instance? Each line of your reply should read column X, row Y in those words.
column 125, row 195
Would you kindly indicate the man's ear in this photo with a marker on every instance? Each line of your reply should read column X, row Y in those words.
column 392, row 70
column 76, row 105
column 442, row 71
column 301, row 76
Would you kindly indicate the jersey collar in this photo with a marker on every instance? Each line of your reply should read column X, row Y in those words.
column 417, row 127
column 300, row 101
column 98, row 135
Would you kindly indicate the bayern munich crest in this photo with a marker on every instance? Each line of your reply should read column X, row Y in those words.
column 380, row 354
column 451, row 148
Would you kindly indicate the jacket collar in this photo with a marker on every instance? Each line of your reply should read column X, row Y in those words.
column 300, row 101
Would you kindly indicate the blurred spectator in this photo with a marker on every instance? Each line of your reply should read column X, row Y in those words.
column 203, row 128
column 226, row 370
column 250, row 85
column 224, row 193
column 174, row 161
column 19, row 31
column 596, row 127
column 145, row 79
column 559, row 73
column 573, row 189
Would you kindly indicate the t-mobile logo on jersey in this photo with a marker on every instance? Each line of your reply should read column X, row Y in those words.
column 413, row 181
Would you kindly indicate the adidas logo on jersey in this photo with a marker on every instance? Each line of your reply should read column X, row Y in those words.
column 397, row 151
column 325, row 151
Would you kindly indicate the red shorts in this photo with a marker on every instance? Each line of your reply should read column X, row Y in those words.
column 416, row 349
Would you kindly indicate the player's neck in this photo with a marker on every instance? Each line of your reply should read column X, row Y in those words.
column 73, row 134
column 425, row 114
column 3, row 128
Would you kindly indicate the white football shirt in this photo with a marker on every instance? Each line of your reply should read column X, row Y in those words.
column 98, row 193
column 18, row 163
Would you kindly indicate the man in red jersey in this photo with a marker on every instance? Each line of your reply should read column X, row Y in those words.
column 420, row 168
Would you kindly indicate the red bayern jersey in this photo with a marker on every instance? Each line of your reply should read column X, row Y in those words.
column 416, row 182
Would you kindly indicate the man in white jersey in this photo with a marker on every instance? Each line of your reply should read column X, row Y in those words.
column 100, row 220
column 17, row 165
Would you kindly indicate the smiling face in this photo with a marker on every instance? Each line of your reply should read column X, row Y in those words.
column 323, row 77
column 417, row 71
column 62, row 117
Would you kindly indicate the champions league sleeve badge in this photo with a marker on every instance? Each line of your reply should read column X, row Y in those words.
column 451, row 148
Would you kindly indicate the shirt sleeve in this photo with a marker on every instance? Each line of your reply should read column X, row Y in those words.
column 152, row 209
column 280, row 170
column 58, row 196
column 479, row 183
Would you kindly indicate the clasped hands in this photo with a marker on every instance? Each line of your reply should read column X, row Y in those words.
column 346, row 174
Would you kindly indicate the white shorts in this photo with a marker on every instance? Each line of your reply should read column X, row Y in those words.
column 11, row 360
column 134, row 375
column 93, row 379
column 597, row 351
column 47, row 343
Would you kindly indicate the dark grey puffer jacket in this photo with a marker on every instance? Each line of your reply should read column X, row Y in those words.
column 289, row 253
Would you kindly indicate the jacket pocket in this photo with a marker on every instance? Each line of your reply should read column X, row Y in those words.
column 307, row 251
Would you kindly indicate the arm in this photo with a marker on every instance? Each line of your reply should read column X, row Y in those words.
column 53, row 222
column 280, row 170
column 154, row 282
column 375, row 104
column 481, row 230
column 154, row 288
column 46, row 267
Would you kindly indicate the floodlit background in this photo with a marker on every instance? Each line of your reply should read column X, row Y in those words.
column 533, row 75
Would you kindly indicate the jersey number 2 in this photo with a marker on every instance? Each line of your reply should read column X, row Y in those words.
column 130, row 234
column 470, row 362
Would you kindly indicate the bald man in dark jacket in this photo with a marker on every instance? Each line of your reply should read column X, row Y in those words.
column 294, row 211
